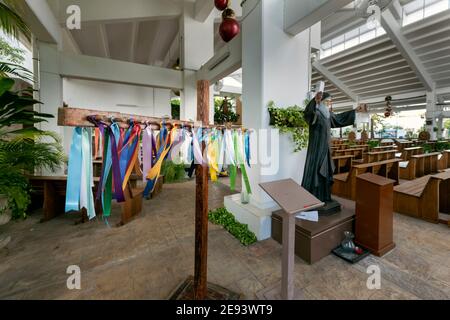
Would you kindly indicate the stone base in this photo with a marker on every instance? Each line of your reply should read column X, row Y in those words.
column 186, row 292
column 258, row 220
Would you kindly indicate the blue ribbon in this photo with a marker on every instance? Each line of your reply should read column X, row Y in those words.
column 74, row 172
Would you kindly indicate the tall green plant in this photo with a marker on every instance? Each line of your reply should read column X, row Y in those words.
column 23, row 147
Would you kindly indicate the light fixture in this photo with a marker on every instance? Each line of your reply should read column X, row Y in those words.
column 364, row 7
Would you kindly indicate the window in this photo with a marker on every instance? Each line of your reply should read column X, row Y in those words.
column 349, row 40
column 420, row 9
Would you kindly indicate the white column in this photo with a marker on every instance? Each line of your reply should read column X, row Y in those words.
column 197, row 47
column 275, row 67
column 431, row 114
column 50, row 90
column 162, row 103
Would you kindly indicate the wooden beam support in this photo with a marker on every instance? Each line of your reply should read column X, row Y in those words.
column 201, row 202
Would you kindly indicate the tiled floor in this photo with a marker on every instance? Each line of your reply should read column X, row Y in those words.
column 150, row 256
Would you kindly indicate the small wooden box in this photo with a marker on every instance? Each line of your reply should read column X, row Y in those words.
column 374, row 213
column 316, row 240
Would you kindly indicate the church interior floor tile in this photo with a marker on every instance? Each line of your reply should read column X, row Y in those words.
column 149, row 257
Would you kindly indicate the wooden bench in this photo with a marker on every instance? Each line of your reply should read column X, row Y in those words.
column 356, row 152
column 407, row 153
column 444, row 161
column 386, row 142
column 53, row 191
column 345, row 183
column 419, row 166
column 365, row 147
column 404, row 144
column 384, row 148
column 343, row 163
column 379, row 156
column 425, row 197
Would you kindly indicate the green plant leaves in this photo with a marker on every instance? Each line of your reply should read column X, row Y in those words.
column 6, row 84
column 240, row 231
column 290, row 120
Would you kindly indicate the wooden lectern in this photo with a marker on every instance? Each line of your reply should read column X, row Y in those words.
column 374, row 213
column 293, row 199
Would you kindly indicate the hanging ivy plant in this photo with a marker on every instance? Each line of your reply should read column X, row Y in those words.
column 290, row 120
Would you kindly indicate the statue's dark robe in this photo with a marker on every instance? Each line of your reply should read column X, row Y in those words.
column 319, row 167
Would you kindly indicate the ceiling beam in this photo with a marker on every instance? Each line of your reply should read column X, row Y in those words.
column 225, row 61
column 445, row 90
column 334, row 80
column 118, row 10
column 134, row 40
column 300, row 15
column 203, row 9
column 101, row 69
column 394, row 31
column 174, row 52
column 41, row 20
column 104, row 40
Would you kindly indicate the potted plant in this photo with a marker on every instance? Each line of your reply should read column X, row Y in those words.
column 290, row 120
column 23, row 147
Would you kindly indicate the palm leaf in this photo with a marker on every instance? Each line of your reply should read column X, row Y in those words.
column 11, row 22
column 10, row 69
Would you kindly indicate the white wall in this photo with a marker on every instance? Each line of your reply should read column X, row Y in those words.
column 104, row 96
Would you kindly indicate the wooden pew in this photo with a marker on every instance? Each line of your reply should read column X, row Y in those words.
column 404, row 144
column 384, row 148
column 379, row 156
column 407, row 153
column 365, row 147
column 53, row 191
column 345, row 183
column 425, row 197
column 419, row 166
column 386, row 142
column 356, row 152
column 444, row 161
column 343, row 163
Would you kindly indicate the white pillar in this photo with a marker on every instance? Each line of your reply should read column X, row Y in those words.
column 275, row 67
column 50, row 90
column 431, row 114
column 197, row 47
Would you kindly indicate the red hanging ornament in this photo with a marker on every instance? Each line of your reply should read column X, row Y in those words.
column 229, row 28
column 221, row 4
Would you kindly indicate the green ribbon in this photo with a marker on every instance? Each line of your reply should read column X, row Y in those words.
column 240, row 162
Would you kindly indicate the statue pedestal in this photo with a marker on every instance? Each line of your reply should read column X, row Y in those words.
column 330, row 208
column 315, row 240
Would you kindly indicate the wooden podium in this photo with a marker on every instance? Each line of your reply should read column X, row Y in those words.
column 374, row 213
column 293, row 199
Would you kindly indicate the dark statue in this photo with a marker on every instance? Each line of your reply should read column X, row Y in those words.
column 319, row 167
